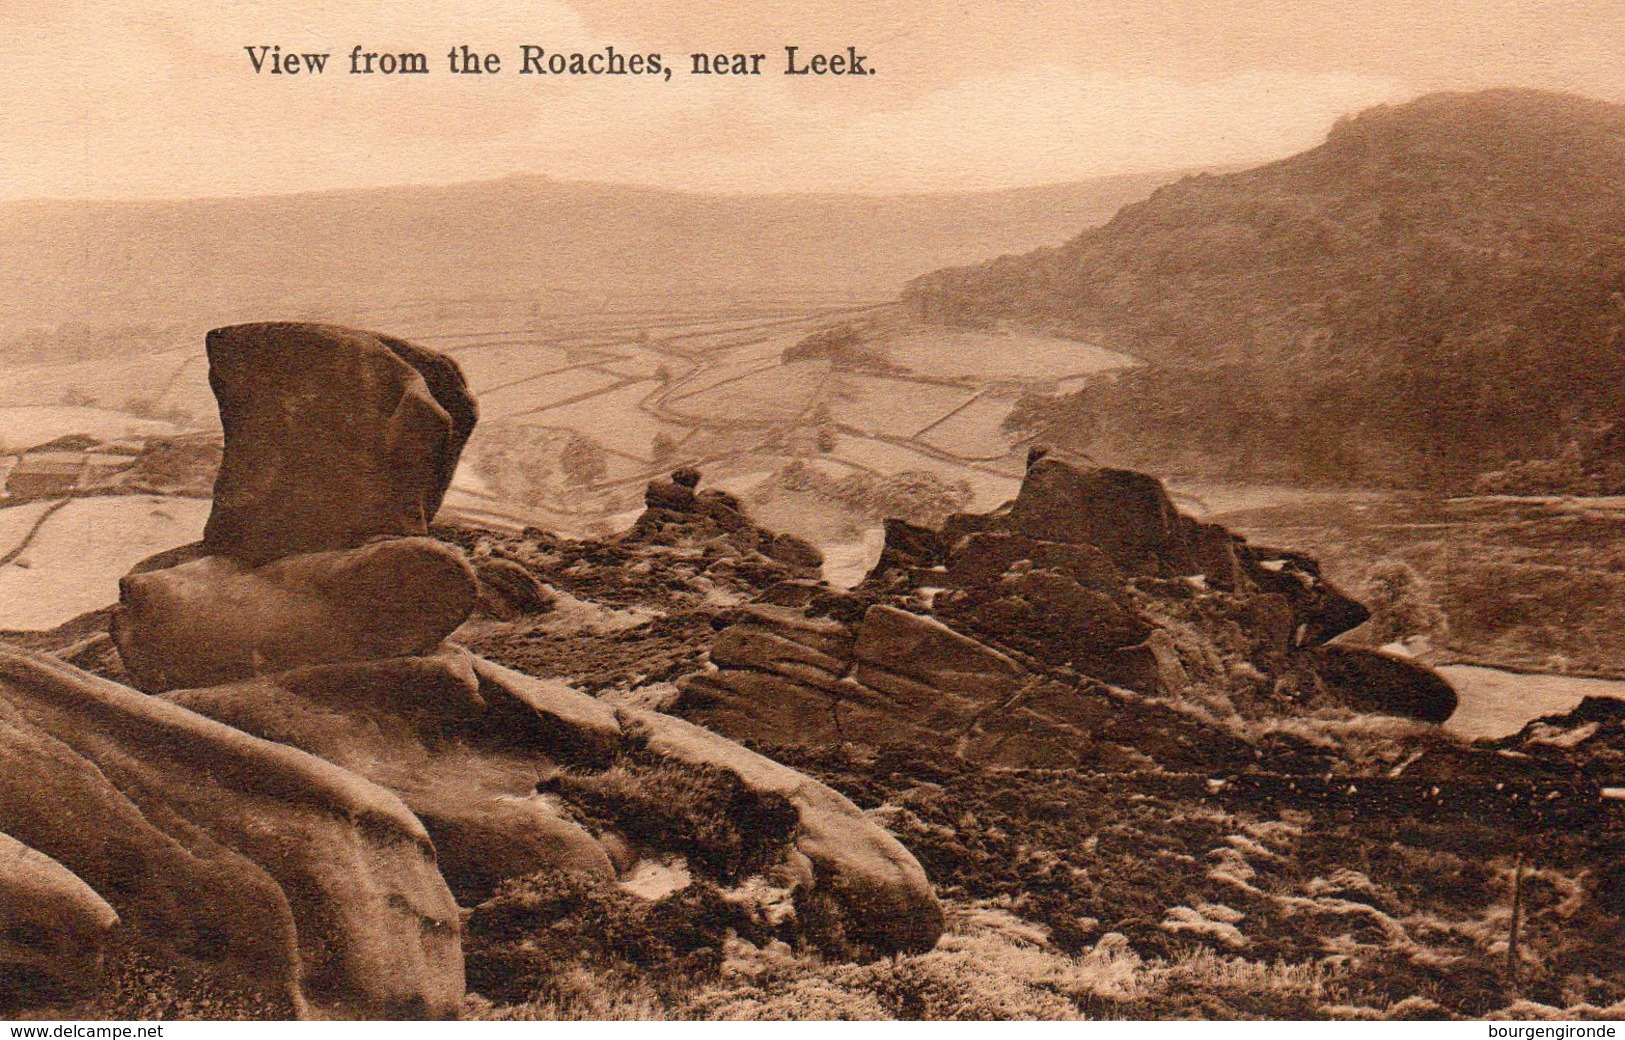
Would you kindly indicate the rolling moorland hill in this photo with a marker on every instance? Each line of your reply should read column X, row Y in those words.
column 581, row 245
column 1436, row 291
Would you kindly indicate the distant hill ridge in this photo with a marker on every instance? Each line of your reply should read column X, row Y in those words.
column 1436, row 290
column 212, row 261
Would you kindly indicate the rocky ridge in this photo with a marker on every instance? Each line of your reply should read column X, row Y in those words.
column 307, row 776
column 487, row 728
column 1052, row 633
column 1138, row 733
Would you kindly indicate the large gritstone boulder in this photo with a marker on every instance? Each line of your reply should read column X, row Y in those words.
column 226, row 849
column 218, row 619
column 333, row 436
column 423, row 728
column 468, row 745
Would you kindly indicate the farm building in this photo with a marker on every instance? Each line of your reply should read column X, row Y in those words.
column 47, row 474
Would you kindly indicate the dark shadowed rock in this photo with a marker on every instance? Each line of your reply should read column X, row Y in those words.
column 797, row 552
column 1370, row 681
column 508, row 590
column 668, row 494
column 906, row 547
column 723, row 509
column 53, row 928
column 333, row 436
column 1075, row 615
column 213, row 845
column 1211, row 552
column 218, row 619
column 1126, row 514
column 449, row 388
column 983, row 557
column 959, row 525
column 1269, row 624
column 1320, row 610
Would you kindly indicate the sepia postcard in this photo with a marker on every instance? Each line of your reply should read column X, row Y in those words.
column 1020, row 510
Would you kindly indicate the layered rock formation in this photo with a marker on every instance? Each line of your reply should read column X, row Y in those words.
column 680, row 515
column 1040, row 633
column 323, row 774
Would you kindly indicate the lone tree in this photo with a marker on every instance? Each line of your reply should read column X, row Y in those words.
column 583, row 461
column 1401, row 603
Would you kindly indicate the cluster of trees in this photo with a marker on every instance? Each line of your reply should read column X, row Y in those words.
column 535, row 464
column 846, row 345
column 918, row 497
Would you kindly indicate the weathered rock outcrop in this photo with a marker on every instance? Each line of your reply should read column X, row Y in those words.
column 271, row 814
column 678, row 515
column 231, row 850
column 1125, row 514
column 779, row 677
column 1088, row 623
column 53, row 927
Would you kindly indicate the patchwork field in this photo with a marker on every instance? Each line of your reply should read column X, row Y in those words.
column 973, row 431
column 993, row 356
column 72, row 561
column 754, row 393
column 870, row 405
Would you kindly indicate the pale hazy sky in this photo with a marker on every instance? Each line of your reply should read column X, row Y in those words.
column 117, row 98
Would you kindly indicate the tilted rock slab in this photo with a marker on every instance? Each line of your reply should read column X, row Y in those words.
column 884, row 896
column 427, row 729
column 226, row 849
column 464, row 741
column 53, row 926
column 218, row 619
column 333, row 436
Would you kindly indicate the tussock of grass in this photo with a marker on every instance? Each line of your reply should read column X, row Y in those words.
column 723, row 828
column 539, row 937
